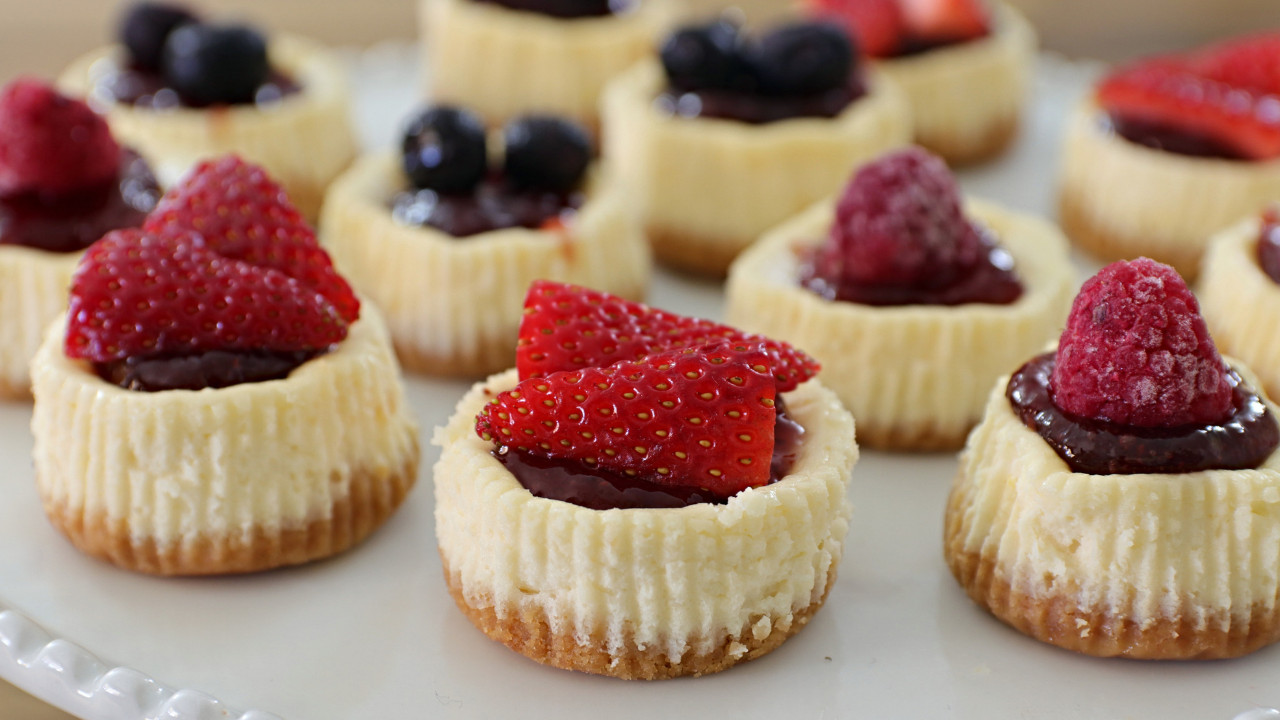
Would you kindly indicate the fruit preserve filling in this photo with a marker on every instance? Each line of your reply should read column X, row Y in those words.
column 801, row 70
column 173, row 59
column 1216, row 103
column 1245, row 439
column 902, row 28
column 445, row 157
column 900, row 237
column 223, row 284
column 567, row 9
column 574, row 482
column 1269, row 243
column 71, row 221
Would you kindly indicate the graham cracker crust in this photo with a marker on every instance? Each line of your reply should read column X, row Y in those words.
column 528, row 632
column 373, row 497
column 492, row 357
column 15, row 392
column 921, row 437
column 1059, row 619
column 1105, row 244
column 962, row 152
column 694, row 254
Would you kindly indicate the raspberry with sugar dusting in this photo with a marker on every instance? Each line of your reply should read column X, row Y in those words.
column 50, row 143
column 1136, row 352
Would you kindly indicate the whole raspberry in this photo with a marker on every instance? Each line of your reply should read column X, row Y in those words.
column 50, row 143
column 900, row 222
column 1136, row 352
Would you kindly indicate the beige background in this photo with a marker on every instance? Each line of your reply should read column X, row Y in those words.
column 41, row 37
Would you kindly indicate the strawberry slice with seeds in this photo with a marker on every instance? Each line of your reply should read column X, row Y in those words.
column 243, row 214
column 567, row 327
column 694, row 417
column 136, row 294
column 877, row 24
column 1252, row 63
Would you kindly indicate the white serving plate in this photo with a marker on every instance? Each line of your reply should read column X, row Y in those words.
column 374, row 634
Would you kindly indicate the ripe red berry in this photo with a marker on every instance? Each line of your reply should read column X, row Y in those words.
column 136, row 294
column 566, row 327
column 877, row 24
column 242, row 213
column 697, row 417
column 50, row 143
column 1136, row 352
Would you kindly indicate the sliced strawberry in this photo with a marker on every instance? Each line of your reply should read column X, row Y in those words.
column 243, row 214
column 1252, row 63
column 696, row 417
column 136, row 294
column 946, row 21
column 877, row 24
column 50, row 143
column 566, row 327
column 1172, row 93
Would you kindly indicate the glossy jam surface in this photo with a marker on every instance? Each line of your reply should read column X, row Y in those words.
column 566, row 9
column 1269, row 246
column 70, row 223
column 213, row 369
column 1094, row 447
column 494, row 205
column 1166, row 137
column 992, row 282
column 146, row 89
column 575, row 483
column 758, row 109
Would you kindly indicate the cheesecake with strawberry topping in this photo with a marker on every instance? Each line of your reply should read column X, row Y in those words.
column 964, row 65
column 181, row 89
column 217, row 399
column 445, row 239
column 1122, row 494
column 732, row 133
column 912, row 299
column 64, row 182
column 646, row 495
column 1169, row 150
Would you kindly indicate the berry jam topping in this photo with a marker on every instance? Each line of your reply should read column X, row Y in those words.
column 225, row 264
column 175, row 60
column 445, row 158
column 1222, row 102
column 572, row 482
column 145, row 28
column 50, row 144
column 1242, row 439
column 1136, row 352
column 567, row 9
column 212, row 369
column 801, row 70
column 1269, row 243
column 900, row 237
column 71, row 222
column 898, row 28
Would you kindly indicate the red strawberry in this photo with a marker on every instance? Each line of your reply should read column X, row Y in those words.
column 946, row 21
column 243, row 214
column 50, row 143
column 136, row 294
column 877, row 24
column 1200, row 99
column 566, row 327
column 1251, row 62
column 696, row 417
column 1136, row 352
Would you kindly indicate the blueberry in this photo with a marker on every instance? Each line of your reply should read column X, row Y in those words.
column 546, row 153
column 216, row 64
column 803, row 59
column 146, row 26
column 444, row 150
column 704, row 57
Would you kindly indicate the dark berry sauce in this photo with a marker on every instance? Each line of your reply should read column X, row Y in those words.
column 1269, row 245
column 212, row 369
column 73, row 222
column 1169, row 138
column 757, row 108
column 1244, row 440
column 573, row 482
column 991, row 281
column 494, row 205
column 566, row 9
column 147, row 89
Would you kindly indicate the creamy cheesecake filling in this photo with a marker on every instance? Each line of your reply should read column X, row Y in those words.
column 1240, row 302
